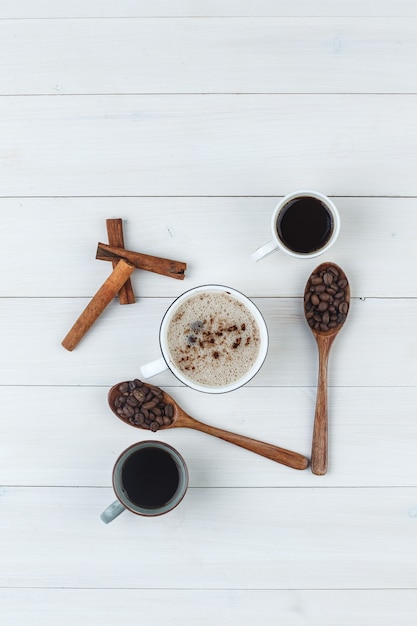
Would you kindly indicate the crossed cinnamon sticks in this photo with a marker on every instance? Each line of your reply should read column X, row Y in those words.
column 124, row 262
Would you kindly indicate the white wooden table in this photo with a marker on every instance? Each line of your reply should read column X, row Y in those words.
column 189, row 121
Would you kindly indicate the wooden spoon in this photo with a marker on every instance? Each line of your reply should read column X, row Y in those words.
column 181, row 419
column 330, row 280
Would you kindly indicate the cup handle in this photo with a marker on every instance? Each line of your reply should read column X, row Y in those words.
column 112, row 511
column 264, row 250
column 153, row 367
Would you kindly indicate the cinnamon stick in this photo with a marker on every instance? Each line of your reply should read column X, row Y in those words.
column 159, row 265
column 96, row 306
column 115, row 235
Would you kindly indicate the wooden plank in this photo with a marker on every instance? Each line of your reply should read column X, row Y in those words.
column 208, row 145
column 364, row 354
column 88, row 607
column 202, row 232
column 205, row 8
column 67, row 436
column 292, row 538
column 264, row 55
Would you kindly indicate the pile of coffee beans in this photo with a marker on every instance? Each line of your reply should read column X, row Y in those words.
column 326, row 298
column 143, row 405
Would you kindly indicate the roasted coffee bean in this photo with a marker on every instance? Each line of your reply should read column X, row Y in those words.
column 150, row 404
column 154, row 426
column 169, row 410
column 124, row 387
column 316, row 280
column 328, row 278
column 131, row 400
column 315, row 300
column 128, row 410
column 139, row 395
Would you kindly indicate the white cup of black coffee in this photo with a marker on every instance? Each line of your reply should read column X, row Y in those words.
column 150, row 478
column 304, row 224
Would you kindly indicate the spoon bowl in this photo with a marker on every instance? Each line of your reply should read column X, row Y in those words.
column 176, row 417
column 326, row 305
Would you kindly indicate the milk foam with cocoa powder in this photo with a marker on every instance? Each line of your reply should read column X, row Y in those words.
column 213, row 339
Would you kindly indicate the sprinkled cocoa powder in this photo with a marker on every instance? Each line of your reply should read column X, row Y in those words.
column 213, row 338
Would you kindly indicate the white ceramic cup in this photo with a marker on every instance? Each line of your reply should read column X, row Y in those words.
column 277, row 244
column 166, row 362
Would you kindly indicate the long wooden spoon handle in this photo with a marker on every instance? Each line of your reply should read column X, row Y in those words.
column 319, row 451
column 280, row 455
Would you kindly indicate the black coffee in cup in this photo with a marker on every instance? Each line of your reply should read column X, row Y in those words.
column 304, row 224
column 150, row 478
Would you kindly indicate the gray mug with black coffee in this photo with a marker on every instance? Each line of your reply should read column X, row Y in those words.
column 304, row 224
column 149, row 478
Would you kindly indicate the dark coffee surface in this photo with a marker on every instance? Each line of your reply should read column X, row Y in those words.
column 150, row 477
column 305, row 225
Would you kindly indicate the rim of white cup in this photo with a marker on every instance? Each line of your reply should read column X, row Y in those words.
column 303, row 193
column 263, row 343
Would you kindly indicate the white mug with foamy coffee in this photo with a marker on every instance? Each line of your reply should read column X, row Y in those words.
column 304, row 224
column 212, row 338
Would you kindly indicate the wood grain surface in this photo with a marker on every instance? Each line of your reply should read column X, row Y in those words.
column 190, row 121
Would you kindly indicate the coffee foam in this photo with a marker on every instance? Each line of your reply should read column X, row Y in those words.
column 213, row 339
